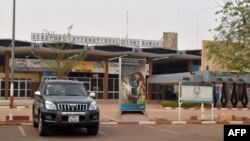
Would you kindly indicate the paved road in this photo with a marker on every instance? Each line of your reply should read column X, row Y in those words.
column 110, row 111
column 119, row 132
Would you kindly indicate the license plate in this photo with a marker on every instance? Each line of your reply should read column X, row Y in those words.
column 73, row 118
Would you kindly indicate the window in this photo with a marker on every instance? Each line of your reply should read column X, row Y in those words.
column 113, row 88
column 65, row 89
column 110, row 86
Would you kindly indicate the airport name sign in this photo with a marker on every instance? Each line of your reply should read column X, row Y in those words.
column 45, row 37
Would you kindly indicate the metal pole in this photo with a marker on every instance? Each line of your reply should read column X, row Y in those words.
column 97, row 85
column 202, row 111
column 212, row 112
column 120, row 84
column 197, row 31
column 179, row 103
column 12, row 61
column 127, row 26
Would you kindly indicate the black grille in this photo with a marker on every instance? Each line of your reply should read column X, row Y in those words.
column 72, row 107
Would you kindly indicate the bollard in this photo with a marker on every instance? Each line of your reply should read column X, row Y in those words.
column 234, row 98
column 244, row 98
column 224, row 96
column 214, row 93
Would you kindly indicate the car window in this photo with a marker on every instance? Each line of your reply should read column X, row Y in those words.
column 70, row 89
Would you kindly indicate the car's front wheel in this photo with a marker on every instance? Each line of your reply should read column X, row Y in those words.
column 93, row 129
column 42, row 128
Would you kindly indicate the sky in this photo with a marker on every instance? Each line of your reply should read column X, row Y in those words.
column 147, row 19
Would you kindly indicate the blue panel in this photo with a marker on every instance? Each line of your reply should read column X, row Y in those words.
column 132, row 107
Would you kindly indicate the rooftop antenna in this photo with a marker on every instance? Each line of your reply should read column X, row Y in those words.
column 69, row 29
column 197, row 30
column 127, row 26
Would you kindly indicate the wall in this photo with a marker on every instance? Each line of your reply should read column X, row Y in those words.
column 35, row 77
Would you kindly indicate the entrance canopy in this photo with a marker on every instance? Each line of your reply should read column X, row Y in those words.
column 201, row 76
column 97, row 52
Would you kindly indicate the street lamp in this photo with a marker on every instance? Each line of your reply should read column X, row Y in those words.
column 12, row 61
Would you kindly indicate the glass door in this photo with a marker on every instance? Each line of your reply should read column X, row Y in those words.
column 97, row 87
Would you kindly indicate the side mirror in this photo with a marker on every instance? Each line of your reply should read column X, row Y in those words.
column 92, row 94
column 37, row 93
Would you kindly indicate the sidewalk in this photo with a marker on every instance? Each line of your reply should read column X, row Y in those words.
column 109, row 110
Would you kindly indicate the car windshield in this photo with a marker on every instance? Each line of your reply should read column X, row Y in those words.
column 66, row 89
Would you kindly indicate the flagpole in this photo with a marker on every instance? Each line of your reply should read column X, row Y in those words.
column 12, row 62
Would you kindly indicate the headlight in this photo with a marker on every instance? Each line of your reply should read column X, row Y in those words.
column 50, row 105
column 93, row 106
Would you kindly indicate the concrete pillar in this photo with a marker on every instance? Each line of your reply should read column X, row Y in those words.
column 7, row 74
column 244, row 99
column 234, row 99
column 170, row 40
column 150, row 64
column 106, row 78
column 224, row 95
column 190, row 65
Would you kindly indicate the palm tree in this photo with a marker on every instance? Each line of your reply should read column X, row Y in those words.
column 58, row 57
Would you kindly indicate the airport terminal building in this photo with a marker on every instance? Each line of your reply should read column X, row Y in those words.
column 99, row 71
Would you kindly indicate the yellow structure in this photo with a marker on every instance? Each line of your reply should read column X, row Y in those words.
column 35, row 77
column 170, row 40
column 209, row 64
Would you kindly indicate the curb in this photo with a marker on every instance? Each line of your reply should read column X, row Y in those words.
column 208, row 122
column 181, row 122
column 4, row 107
column 147, row 122
column 167, row 108
column 28, row 123
column 17, row 106
column 198, row 108
column 10, row 123
column 19, row 118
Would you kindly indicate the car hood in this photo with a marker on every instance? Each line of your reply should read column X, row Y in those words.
column 69, row 99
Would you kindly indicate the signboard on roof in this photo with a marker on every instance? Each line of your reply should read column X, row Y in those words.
column 81, row 66
column 44, row 37
column 32, row 65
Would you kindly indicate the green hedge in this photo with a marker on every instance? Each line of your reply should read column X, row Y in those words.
column 175, row 104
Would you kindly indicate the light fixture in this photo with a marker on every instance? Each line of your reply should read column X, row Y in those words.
column 161, row 58
column 186, row 78
column 164, row 57
column 114, row 58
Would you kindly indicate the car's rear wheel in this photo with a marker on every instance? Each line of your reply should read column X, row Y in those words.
column 34, row 123
column 42, row 128
column 93, row 129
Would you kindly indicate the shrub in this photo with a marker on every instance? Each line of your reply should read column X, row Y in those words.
column 175, row 104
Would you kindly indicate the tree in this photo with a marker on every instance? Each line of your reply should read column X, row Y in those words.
column 58, row 58
column 230, row 48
